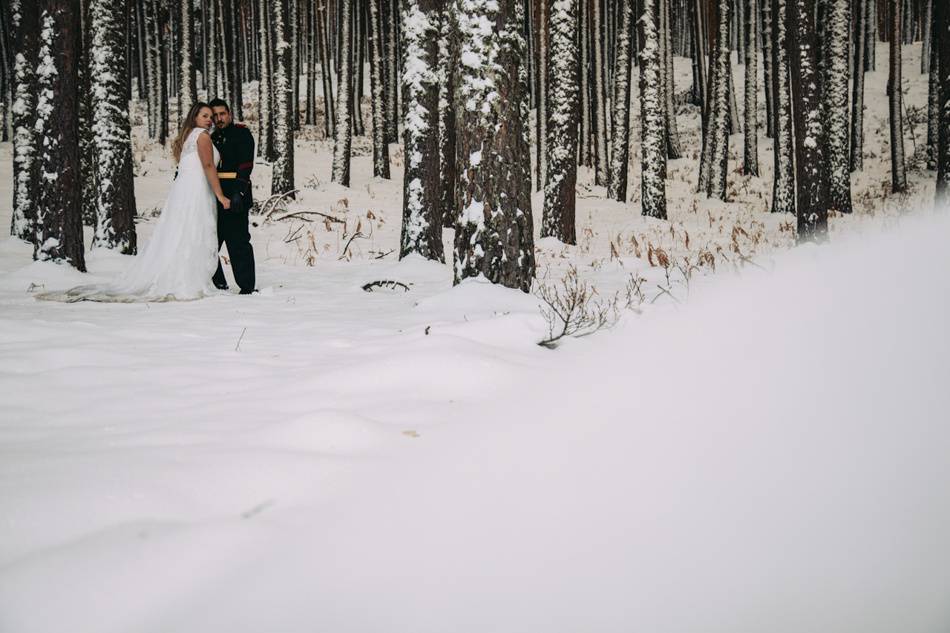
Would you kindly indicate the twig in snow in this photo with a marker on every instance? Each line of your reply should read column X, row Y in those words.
column 240, row 338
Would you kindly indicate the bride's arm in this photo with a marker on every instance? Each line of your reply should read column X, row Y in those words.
column 206, row 156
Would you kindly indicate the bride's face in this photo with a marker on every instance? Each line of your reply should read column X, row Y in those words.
column 204, row 118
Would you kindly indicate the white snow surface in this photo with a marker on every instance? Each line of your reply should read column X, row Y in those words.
column 770, row 453
column 775, row 453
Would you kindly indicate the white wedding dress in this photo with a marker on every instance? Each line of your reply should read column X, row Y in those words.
column 179, row 260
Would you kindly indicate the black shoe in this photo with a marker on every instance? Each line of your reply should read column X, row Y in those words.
column 246, row 292
column 221, row 286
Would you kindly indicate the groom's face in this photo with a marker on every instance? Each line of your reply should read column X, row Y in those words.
column 222, row 118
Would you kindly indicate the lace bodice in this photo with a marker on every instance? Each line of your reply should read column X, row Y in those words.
column 190, row 147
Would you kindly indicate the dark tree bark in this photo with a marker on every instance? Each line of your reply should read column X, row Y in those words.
column 541, row 18
column 326, row 69
column 620, row 150
column 599, row 101
column 111, row 128
column 941, row 38
column 265, row 90
column 653, row 145
column 670, row 129
column 715, row 157
column 342, row 147
column 494, row 237
column 421, row 217
column 768, row 39
column 750, row 160
column 187, row 86
column 59, row 214
column 896, row 100
column 562, row 119
column 377, row 88
column 283, row 93
column 26, row 162
column 811, row 184
column 448, row 63
column 857, row 91
column 835, row 76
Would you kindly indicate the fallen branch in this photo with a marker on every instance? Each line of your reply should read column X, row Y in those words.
column 298, row 215
column 385, row 283
column 272, row 203
column 350, row 241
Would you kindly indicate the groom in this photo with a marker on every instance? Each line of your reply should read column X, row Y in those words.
column 236, row 147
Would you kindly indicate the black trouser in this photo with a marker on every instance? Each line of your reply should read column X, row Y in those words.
column 232, row 230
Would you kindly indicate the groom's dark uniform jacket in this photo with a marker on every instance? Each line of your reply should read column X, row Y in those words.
column 236, row 147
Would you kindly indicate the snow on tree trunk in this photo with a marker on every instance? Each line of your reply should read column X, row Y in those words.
column 541, row 112
column 601, row 157
column 421, row 216
column 697, row 25
column 343, row 141
column 377, row 89
column 59, row 215
column 783, row 186
column 265, row 130
column 448, row 62
column 837, row 19
column 750, row 160
column 933, row 108
column 767, row 66
column 326, row 70
column 926, row 41
column 620, row 149
column 284, row 110
column 896, row 100
column 941, row 38
column 391, row 36
column 24, row 14
column 870, row 36
column 111, row 128
column 667, row 81
column 562, row 121
column 857, row 91
column 494, row 237
column 653, row 143
column 585, row 155
column 715, row 157
column 811, row 183
column 212, row 81
column 187, row 87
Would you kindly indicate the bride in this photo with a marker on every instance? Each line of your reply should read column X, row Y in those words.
column 178, row 262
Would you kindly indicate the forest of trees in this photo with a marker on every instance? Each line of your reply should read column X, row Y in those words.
column 469, row 83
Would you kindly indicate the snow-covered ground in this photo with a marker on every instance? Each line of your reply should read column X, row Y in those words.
column 768, row 451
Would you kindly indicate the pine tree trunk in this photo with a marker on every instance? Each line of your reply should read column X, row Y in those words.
column 421, row 217
column 291, row 20
column 668, row 83
column 391, row 35
column 284, row 112
column 941, row 38
column 768, row 38
column 870, row 36
column 343, row 144
column 265, row 130
column 933, row 108
column 326, row 69
column 601, row 157
column 857, row 83
column 584, row 155
column 698, row 51
column 835, row 83
column 377, row 88
column 783, row 186
column 59, row 215
column 653, row 145
column 750, row 161
column 187, row 86
column 112, row 128
column 620, row 150
column 494, row 237
column 715, row 163
column 896, row 100
column 926, row 43
column 87, row 152
column 811, row 184
column 26, row 162
column 541, row 113
column 448, row 63
column 562, row 119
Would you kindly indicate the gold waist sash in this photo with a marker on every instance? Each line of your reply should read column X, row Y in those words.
column 227, row 175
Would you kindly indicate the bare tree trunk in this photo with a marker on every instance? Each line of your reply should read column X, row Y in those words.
column 601, row 158
column 620, row 151
column 750, row 161
column 941, row 36
column 111, row 127
column 342, row 147
column 59, row 215
column 378, row 97
column 896, row 101
column 284, row 112
column 837, row 20
column 562, row 118
column 26, row 160
column 494, row 237
column 448, row 63
column 653, row 145
column 187, row 86
column 857, row 94
column 783, row 189
column 421, row 219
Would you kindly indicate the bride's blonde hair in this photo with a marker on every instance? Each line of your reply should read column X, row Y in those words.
column 186, row 127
